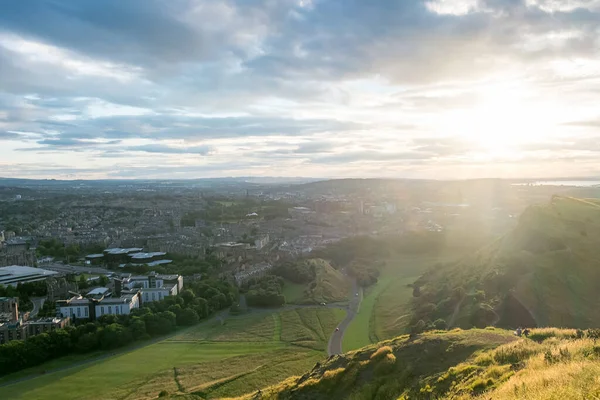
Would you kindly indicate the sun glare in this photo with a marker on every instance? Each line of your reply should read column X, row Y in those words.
column 502, row 120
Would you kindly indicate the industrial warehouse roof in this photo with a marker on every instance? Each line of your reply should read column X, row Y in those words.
column 141, row 256
column 94, row 256
column 15, row 274
column 118, row 251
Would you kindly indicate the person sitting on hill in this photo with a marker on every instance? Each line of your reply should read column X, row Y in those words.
column 519, row 331
column 526, row 332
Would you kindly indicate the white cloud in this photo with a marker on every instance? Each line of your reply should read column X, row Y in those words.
column 452, row 7
column 38, row 54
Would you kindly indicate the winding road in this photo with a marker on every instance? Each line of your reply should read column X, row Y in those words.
column 335, row 340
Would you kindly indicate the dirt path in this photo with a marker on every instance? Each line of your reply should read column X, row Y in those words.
column 455, row 313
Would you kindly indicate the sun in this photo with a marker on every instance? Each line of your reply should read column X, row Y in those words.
column 503, row 118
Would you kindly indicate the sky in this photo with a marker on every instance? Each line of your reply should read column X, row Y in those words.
column 444, row 89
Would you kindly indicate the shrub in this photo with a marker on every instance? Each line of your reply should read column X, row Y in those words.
column 163, row 393
column 418, row 327
column 381, row 352
column 440, row 324
column 514, row 353
column 332, row 373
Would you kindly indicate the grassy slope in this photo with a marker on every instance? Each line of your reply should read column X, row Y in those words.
column 329, row 285
column 217, row 360
column 385, row 309
column 548, row 264
column 473, row 364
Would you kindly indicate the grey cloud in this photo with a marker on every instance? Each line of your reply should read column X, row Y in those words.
column 595, row 123
column 169, row 126
column 314, row 147
column 157, row 148
column 4, row 135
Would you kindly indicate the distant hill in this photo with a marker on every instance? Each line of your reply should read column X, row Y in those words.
column 473, row 364
column 545, row 272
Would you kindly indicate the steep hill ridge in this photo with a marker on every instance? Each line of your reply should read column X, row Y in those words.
column 473, row 364
column 545, row 272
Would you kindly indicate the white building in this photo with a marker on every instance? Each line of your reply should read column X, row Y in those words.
column 81, row 308
column 117, row 305
column 155, row 287
column 156, row 294
column 76, row 307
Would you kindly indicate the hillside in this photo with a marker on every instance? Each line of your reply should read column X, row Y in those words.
column 472, row 364
column 322, row 282
column 543, row 273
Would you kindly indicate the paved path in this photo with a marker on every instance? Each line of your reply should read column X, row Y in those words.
column 38, row 303
column 336, row 338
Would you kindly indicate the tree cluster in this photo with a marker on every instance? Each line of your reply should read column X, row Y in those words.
column 266, row 292
column 196, row 302
column 297, row 272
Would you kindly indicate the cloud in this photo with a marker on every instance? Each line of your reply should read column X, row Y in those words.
column 594, row 123
column 314, row 147
column 9, row 135
column 282, row 85
column 357, row 156
column 157, row 148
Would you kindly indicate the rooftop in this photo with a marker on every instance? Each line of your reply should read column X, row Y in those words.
column 94, row 256
column 141, row 256
column 46, row 320
column 98, row 291
column 15, row 274
column 119, row 251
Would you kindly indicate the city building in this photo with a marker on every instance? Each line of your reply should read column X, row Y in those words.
column 117, row 305
column 41, row 325
column 12, row 330
column 15, row 274
column 153, row 287
column 79, row 307
column 10, row 305
column 17, row 327
column 76, row 307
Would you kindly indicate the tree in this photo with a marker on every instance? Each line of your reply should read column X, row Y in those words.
column 103, row 281
column 113, row 336
column 188, row 296
column 138, row 328
column 87, row 342
column 440, row 324
column 187, row 317
column 83, row 283
column 201, row 307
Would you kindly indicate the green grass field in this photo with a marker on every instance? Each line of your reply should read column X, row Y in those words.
column 385, row 306
column 215, row 360
column 293, row 292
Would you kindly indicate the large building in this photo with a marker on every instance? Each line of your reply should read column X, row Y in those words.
column 79, row 307
column 16, row 327
column 41, row 325
column 15, row 274
column 154, row 287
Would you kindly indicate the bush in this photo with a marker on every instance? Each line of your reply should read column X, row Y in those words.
column 418, row 327
column 163, row 393
column 440, row 324
column 381, row 352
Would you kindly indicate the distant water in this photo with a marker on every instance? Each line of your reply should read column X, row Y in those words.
column 561, row 183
